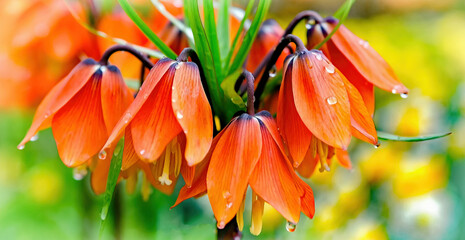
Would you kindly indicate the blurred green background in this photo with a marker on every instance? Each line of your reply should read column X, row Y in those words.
column 398, row 191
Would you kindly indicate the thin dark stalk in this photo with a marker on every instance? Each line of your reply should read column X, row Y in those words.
column 117, row 48
column 272, row 61
column 305, row 15
column 250, row 90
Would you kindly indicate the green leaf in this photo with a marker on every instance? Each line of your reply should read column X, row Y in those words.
column 241, row 55
column 248, row 10
column 223, row 28
column 228, row 87
column 115, row 168
column 191, row 10
column 392, row 137
column 176, row 22
column 152, row 53
column 341, row 14
column 212, row 36
column 146, row 30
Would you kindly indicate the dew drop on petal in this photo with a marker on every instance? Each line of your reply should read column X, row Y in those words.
column 179, row 115
column 377, row 145
column 404, row 95
column 330, row 69
column 221, row 225
column 173, row 100
column 317, row 55
column 226, row 194
column 364, row 43
column 34, row 138
column 126, row 117
column 102, row 155
column 272, row 72
column 142, row 152
column 290, row 227
column 331, row 100
column 79, row 173
column 229, row 204
column 20, row 147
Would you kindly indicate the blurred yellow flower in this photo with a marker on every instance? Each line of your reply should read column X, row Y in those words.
column 44, row 186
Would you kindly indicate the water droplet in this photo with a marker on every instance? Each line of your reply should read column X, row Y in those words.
column 331, row 100
column 102, row 154
column 126, row 117
column 226, row 194
column 404, row 95
column 142, row 152
column 35, row 138
column 179, row 115
column 364, row 43
column 377, row 145
column 79, row 173
column 272, row 72
column 185, row 131
column 317, row 55
column 20, row 147
column 394, row 91
column 221, row 225
column 47, row 115
column 173, row 100
column 229, row 204
column 330, row 69
column 309, row 24
column 146, row 95
column 178, row 65
column 290, row 227
column 296, row 164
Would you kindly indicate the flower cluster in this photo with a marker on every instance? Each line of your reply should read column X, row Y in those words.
column 322, row 100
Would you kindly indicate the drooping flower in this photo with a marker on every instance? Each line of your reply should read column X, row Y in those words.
column 170, row 120
column 319, row 109
column 269, row 35
column 356, row 59
column 82, row 110
column 247, row 152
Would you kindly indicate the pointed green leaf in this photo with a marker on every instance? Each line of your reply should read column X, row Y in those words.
column 248, row 10
column 115, row 168
column 241, row 55
column 341, row 14
column 223, row 28
column 132, row 14
column 191, row 10
column 392, row 137
column 212, row 36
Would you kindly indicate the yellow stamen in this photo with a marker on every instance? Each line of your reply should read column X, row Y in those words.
column 217, row 123
column 146, row 189
column 322, row 155
column 313, row 147
column 131, row 182
column 240, row 216
column 165, row 176
column 176, row 150
column 258, row 205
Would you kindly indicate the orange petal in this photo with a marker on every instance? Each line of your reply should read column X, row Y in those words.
column 155, row 125
column 294, row 132
column 307, row 168
column 199, row 183
column 321, row 99
column 78, row 127
column 152, row 79
column 99, row 176
column 193, row 112
column 59, row 96
column 363, row 127
column 355, row 55
column 273, row 179
column 129, row 154
column 343, row 158
column 232, row 162
column 307, row 199
column 116, row 96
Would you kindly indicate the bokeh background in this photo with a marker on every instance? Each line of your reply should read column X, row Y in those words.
column 398, row 191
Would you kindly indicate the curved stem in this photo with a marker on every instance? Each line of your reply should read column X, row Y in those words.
column 117, row 48
column 272, row 61
column 305, row 15
column 250, row 91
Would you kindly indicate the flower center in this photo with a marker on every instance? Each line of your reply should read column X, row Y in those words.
column 172, row 155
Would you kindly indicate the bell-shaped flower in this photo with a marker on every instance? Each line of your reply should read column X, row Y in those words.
column 318, row 107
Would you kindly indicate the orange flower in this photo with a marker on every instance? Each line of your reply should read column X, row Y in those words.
column 357, row 60
column 249, row 151
column 318, row 109
column 82, row 110
column 169, row 120
column 269, row 35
